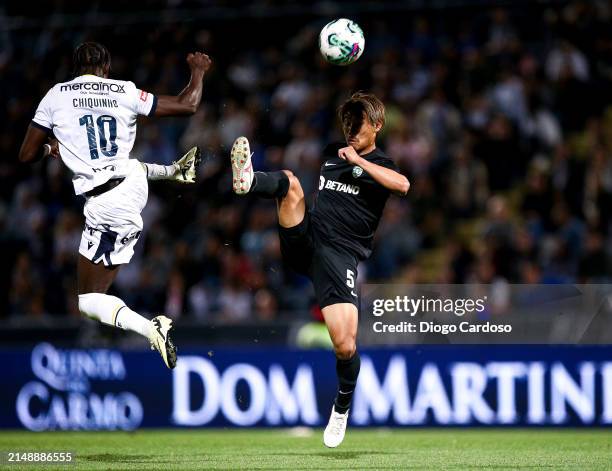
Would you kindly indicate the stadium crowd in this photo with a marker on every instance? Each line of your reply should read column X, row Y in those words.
column 500, row 118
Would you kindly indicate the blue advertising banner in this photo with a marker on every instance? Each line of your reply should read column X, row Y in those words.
column 48, row 388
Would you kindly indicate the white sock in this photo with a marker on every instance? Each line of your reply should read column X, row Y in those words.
column 159, row 172
column 113, row 311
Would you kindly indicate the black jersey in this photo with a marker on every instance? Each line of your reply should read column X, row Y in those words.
column 350, row 202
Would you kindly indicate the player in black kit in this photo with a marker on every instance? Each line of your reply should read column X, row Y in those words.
column 328, row 241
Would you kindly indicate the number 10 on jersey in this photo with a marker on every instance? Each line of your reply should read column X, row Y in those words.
column 103, row 122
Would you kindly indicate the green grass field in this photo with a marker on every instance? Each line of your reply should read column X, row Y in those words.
column 457, row 449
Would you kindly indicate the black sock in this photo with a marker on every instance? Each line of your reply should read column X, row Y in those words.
column 348, row 371
column 270, row 184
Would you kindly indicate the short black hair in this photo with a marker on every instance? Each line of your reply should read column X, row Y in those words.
column 360, row 104
column 89, row 57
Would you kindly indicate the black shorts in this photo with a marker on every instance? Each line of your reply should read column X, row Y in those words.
column 333, row 270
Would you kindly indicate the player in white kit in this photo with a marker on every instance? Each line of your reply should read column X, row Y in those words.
column 93, row 121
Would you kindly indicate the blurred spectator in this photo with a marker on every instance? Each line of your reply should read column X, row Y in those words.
column 566, row 62
column 466, row 180
column 501, row 119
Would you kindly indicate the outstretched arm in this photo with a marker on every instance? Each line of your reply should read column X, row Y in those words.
column 394, row 181
column 186, row 102
column 36, row 145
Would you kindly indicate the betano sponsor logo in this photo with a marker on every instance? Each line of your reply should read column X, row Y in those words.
column 338, row 186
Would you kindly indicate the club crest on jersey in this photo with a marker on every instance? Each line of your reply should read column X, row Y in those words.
column 357, row 171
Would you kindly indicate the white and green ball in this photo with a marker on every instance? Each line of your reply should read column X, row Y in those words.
column 341, row 41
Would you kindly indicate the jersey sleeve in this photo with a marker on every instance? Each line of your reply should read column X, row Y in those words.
column 43, row 118
column 143, row 103
column 387, row 163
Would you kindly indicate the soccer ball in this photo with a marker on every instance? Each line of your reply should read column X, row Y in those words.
column 341, row 42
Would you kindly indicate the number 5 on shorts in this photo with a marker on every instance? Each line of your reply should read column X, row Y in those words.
column 350, row 280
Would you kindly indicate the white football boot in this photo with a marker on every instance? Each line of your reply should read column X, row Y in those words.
column 242, row 168
column 159, row 336
column 186, row 166
column 335, row 430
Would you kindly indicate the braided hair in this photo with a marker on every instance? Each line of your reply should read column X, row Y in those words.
column 90, row 58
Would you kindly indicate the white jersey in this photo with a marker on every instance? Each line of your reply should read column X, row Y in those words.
column 94, row 121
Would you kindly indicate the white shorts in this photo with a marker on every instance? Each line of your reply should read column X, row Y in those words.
column 112, row 220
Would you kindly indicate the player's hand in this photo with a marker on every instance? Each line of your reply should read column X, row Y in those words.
column 54, row 152
column 349, row 154
column 198, row 61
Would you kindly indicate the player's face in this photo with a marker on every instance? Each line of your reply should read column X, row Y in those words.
column 362, row 137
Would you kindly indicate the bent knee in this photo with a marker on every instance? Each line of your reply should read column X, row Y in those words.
column 295, row 188
column 345, row 349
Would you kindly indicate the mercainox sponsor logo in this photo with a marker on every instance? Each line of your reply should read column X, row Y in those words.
column 338, row 186
column 94, row 86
